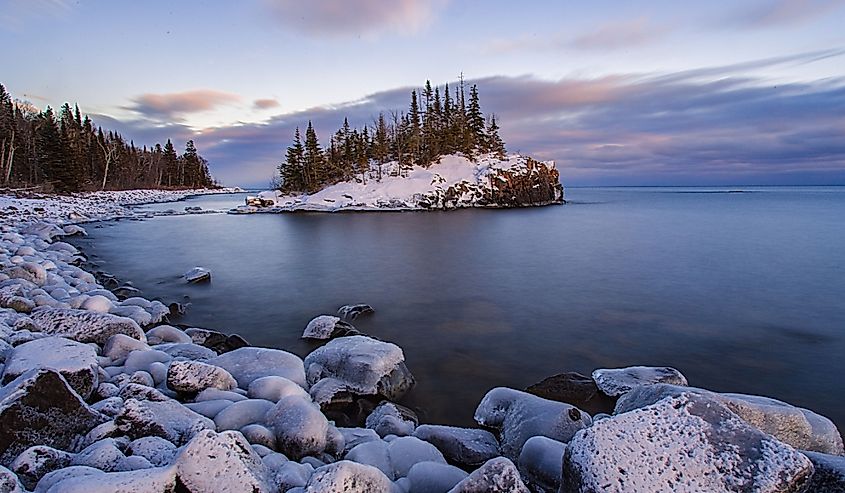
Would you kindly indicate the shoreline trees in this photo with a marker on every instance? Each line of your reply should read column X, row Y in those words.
column 433, row 127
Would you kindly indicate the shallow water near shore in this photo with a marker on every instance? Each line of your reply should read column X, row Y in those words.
column 743, row 292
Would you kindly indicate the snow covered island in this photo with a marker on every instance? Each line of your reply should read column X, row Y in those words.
column 453, row 183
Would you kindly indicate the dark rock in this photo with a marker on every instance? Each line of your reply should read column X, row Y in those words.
column 351, row 312
column 76, row 362
column 40, row 408
column 125, row 292
column 576, row 389
column 462, row 446
column 829, row 475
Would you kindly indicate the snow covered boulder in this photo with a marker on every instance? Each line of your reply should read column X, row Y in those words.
column 829, row 474
column 681, row 443
column 9, row 482
column 76, row 362
column 40, row 408
column 193, row 376
column 249, row 363
column 97, row 303
column 85, row 326
column 274, row 389
column 35, row 462
column 13, row 297
column 155, row 480
column 242, row 413
column 358, row 365
column 433, row 477
column 118, row 347
column 158, row 451
column 463, row 446
column 798, row 427
column 166, row 419
column 541, row 463
column 222, row 462
column 497, row 475
column 327, row 327
column 617, row 381
column 404, row 452
column 167, row 333
column 197, row 275
column 392, row 419
column 519, row 416
column 189, row 351
column 301, row 429
column 103, row 455
column 351, row 312
column 29, row 271
column 348, row 477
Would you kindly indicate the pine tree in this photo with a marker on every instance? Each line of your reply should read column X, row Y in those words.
column 475, row 125
column 314, row 160
column 381, row 144
column 169, row 162
column 495, row 144
column 447, row 139
column 414, row 130
column 292, row 168
column 48, row 147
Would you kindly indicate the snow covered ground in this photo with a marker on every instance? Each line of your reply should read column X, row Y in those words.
column 454, row 182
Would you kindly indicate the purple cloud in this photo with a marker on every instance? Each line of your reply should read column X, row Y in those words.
column 174, row 106
column 265, row 104
column 618, row 35
column 777, row 13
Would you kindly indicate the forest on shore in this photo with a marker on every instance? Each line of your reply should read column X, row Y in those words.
column 67, row 152
column 435, row 125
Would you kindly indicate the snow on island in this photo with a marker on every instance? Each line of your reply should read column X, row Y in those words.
column 454, row 182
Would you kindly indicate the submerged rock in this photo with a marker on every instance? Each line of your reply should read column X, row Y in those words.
column 85, row 326
column 198, row 275
column 617, row 381
column 573, row 388
column 681, row 443
column 76, row 362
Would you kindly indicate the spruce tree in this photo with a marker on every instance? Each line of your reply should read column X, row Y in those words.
column 292, row 168
column 48, row 147
column 413, row 130
column 381, row 144
column 475, row 125
column 169, row 162
column 495, row 144
column 314, row 160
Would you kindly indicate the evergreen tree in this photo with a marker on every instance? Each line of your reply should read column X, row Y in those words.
column 381, row 144
column 293, row 168
column 475, row 125
column 494, row 142
column 169, row 162
column 447, row 140
column 413, row 129
column 314, row 160
column 48, row 147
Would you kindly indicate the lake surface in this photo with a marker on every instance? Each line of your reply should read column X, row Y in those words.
column 743, row 292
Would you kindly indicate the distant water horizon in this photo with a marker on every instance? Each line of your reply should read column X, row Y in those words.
column 742, row 292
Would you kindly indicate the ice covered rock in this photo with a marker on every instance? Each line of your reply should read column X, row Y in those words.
column 53, row 478
column 829, row 474
column 300, row 428
column 681, row 443
column 157, row 450
column 389, row 418
column 497, row 475
column 258, row 435
column 249, row 363
column 85, row 326
column 133, row 463
column 118, row 347
column 73, row 230
column 155, row 480
column 29, row 271
column 97, row 303
column 576, row 389
column 358, row 365
column 110, row 407
column 541, row 463
column 209, row 409
column 288, row 474
column 103, row 455
column 351, row 312
column 434, row 477
column 274, row 389
column 242, row 413
column 167, row 419
column 519, row 416
column 348, row 477
column 76, row 362
column 167, row 333
column 136, row 313
column 9, row 482
column 356, row 436
column 798, row 427
column 40, row 408
column 35, row 462
column 373, row 453
column 327, row 327
column 212, row 394
column 194, row 376
column 198, row 275
column 189, row 351
column 464, row 446
column 616, row 381
column 13, row 297
column 404, row 452
column 140, row 360
column 222, row 462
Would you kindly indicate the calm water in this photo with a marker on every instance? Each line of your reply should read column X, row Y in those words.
column 743, row 292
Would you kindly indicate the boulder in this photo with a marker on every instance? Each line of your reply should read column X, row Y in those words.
column 75, row 361
column 798, row 427
column 155, row 480
column 348, row 477
column 434, row 477
column 497, row 475
column 541, row 463
column 9, row 482
column 404, row 452
column 197, row 275
column 189, row 351
column 158, row 451
column 300, row 428
column 168, row 333
column 358, row 365
column 249, row 363
column 103, row 455
column 242, row 413
column 519, row 416
column 681, row 443
column 28, row 271
column 617, row 381
column 35, row 462
column 576, row 389
column 829, row 475
column 166, row 419
column 351, row 312
column 40, row 408
column 221, row 462
column 118, row 347
column 389, row 418
column 462, row 446
column 193, row 376
column 13, row 297
column 85, row 326
column 327, row 327
column 274, row 389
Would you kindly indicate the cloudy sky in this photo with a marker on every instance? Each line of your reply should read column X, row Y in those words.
column 618, row 93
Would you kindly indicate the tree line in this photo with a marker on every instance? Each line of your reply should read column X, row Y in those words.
column 67, row 153
column 435, row 125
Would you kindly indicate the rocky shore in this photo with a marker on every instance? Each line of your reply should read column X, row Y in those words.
column 101, row 394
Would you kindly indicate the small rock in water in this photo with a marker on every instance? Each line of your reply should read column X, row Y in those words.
column 615, row 382
column 197, row 275
column 328, row 327
column 576, row 389
column 351, row 312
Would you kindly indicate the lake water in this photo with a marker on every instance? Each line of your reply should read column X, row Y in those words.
column 743, row 292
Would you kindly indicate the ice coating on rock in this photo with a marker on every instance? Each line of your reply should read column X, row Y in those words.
column 300, row 428
column 103, row 455
column 118, row 347
column 681, row 443
column 157, row 450
column 274, row 389
column 167, row 419
column 249, row 363
column 519, row 416
column 195, row 376
column 389, row 418
column 242, row 413
column 198, row 274
column 541, row 463
column 167, row 333
column 434, row 477
column 9, row 482
column 348, row 477
column 221, row 462
column 76, row 362
column 85, row 326
column 360, row 365
column 798, row 427
column 616, row 381
column 497, row 475
column 373, row 453
column 465, row 446
column 404, row 452
column 320, row 327
column 153, row 480
column 35, row 462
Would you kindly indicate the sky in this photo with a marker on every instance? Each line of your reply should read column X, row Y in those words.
column 649, row 92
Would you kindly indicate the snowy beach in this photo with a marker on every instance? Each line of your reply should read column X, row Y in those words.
column 102, row 394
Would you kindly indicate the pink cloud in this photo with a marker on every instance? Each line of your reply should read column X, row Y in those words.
column 788, row 12
column 263, row 104
column 618, row 35
column 175, row 105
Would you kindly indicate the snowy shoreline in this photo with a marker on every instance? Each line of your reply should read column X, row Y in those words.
column 134, row 404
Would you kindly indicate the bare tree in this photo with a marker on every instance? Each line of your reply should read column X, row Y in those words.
column 10, row 158
column 109, row 149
